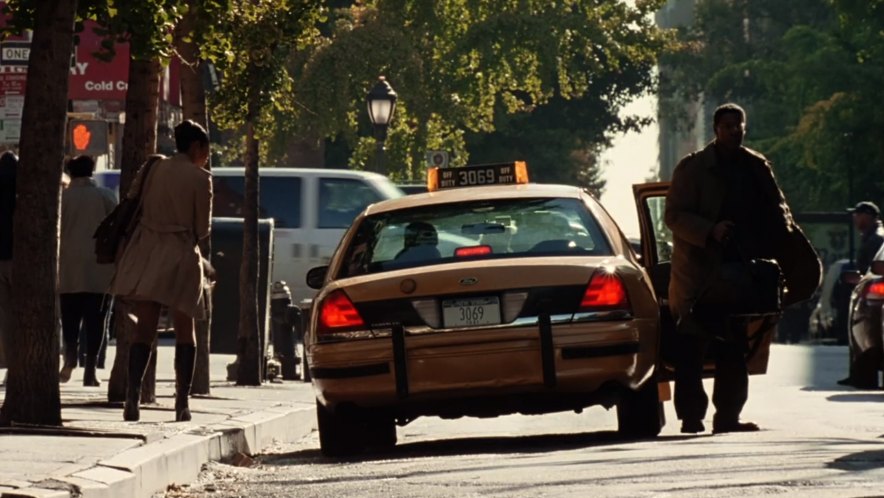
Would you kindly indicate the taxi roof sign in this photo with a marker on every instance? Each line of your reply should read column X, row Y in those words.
column 513, row 173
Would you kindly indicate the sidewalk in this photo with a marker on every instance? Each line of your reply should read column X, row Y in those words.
column 97, row 454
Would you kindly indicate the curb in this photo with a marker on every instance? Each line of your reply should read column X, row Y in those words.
column 144, row 470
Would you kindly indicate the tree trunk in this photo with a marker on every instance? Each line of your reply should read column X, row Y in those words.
column 248, row 354
column 32, row 393
column 139, row 141
column 418, row 155
column 193, row 93
column 193, row 105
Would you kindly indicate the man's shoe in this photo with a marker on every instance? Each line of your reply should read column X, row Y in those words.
column 65, row 374
column 692, row 426
column 89, row 377
column 734, row 427
column 70, row 363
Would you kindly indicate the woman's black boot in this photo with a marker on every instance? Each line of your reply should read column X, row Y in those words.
column 184, row 358
column 139, row 355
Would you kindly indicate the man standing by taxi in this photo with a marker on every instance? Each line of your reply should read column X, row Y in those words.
column 724, row 208
column 866, row 219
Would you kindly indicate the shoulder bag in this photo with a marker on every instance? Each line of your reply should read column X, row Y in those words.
column 112, row 232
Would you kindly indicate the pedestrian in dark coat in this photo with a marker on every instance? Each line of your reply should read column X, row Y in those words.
column 83, row 284
column 161, row 264
column 8, row 166
column 724, row 206
column 866, row 219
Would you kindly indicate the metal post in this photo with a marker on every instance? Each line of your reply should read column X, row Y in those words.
column 379, row 153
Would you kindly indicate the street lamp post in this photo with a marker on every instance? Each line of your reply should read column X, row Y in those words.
column 381, row 102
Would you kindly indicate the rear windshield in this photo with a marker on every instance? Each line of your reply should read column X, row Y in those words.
column 487, row 229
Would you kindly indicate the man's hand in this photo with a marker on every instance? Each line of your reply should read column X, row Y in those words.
column 722, row 231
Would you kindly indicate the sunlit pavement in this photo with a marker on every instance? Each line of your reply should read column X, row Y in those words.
column 818, row 439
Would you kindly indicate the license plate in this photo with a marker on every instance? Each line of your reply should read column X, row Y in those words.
column 471, row 312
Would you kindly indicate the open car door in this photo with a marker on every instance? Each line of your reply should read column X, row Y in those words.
column 656, row 251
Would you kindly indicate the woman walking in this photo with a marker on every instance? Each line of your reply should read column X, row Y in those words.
column 161, row 264
column 82, row 282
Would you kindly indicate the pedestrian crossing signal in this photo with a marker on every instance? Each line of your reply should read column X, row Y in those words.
column 87, row 137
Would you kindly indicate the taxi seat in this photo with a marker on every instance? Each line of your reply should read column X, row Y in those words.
column 420, row 241
column 418, row 253
column 499, row 242
column 540, row 227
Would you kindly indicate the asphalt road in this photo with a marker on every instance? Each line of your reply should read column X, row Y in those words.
column 819, row 440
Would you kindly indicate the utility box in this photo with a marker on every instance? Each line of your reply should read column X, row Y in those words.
column 227, row 236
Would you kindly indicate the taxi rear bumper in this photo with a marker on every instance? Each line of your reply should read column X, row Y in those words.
column 549, row 366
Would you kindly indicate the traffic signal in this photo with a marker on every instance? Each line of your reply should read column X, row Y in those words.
column 87, row 137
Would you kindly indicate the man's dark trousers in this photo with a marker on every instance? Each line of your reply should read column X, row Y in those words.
column 731, row 377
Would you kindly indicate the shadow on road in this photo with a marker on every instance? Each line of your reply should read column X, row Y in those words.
column 475, row 446
column 857, row 397
column 857, row 462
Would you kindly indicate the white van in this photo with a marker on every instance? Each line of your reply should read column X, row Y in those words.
column 311, row 208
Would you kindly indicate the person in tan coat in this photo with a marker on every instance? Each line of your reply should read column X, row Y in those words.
column 82, row 282
column 161, row 264
column 724, row 208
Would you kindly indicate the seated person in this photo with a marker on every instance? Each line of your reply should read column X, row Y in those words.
column 421, row 240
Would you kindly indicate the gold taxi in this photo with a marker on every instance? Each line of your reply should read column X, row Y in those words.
column 476, row 300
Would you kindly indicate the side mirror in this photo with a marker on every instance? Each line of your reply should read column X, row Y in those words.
column 316, row 277
column 850, row 277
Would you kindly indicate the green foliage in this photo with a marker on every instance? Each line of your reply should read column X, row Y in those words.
column 809, row 73
column 464, row 67
column 250, row 44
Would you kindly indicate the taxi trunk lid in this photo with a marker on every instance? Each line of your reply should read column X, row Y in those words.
column 479, row 293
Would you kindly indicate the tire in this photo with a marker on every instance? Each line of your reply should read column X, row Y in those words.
column 381, row 434
column 341, row 436
column 865, row 369
column 640, row 413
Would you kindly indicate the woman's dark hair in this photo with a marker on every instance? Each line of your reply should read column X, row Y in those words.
column 729, row 108
column 81, row 166
column 187, row 132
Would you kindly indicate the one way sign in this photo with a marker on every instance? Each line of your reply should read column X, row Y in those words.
column 15, row 53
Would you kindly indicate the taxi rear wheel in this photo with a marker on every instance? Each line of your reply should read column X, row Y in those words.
column 341, row 436
column 640, row 413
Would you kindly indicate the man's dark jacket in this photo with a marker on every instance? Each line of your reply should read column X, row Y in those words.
column 696, row 194
column 869, row 246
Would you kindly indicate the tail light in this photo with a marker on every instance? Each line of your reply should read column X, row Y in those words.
column 604, row 292
column 466, row 252
column 875, row 291
column 337, row 313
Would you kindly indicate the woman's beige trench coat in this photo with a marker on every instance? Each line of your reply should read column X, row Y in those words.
column 161, row 261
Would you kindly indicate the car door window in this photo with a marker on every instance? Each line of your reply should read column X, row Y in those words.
column 662, row 236
column 280, row 199
column 342, row 199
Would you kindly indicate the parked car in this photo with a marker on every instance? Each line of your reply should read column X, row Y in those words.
column 867, row 332
column 413, row 188
column 828, row 320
